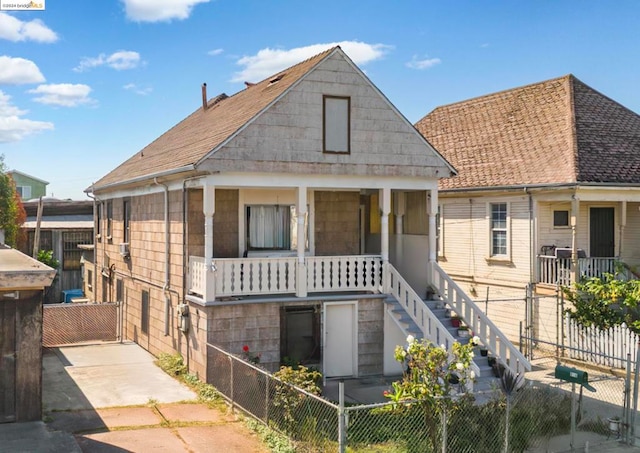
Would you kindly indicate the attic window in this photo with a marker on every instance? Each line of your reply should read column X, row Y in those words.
column 276, row 79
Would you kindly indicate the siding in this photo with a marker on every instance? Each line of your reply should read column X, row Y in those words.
column 466, row 241
column 289, row 136
column 337, row 223
column 631, row 244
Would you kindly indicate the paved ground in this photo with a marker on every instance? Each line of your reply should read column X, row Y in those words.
column 112, row 398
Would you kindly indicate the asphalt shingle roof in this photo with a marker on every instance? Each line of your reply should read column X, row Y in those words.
column 553, row 132
column 196, row 136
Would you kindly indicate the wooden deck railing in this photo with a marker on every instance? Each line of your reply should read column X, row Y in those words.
column 558, row 271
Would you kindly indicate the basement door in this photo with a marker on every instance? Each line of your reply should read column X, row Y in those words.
column 340, row 334
column 601, row 232
column 7, row 360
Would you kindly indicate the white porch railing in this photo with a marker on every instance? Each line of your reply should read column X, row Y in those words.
column 558, row 271
column 197, row 275
column 480, row 324
column 249, row 276
column 343, row 273
column 273, row 275
column 432, row 329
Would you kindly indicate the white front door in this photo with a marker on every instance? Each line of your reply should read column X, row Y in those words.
column 340, row 335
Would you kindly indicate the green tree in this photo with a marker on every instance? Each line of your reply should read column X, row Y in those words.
column 12, row 214
column 605, row 302
column 431, row 376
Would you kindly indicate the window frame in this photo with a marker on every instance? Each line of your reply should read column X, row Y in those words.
column 506, row 229
column 109, row 216
column 145, row 308
column 563, row 226
column 126, row 220
column 293, row 225
column 326, row 97
column 21, row 191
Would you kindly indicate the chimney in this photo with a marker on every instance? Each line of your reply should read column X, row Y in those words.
column 204, row 97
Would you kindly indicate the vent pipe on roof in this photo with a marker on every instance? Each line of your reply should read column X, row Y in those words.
column 204, row 97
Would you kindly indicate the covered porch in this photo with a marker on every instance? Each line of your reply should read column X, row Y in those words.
column 280, row 236
column 587, row 234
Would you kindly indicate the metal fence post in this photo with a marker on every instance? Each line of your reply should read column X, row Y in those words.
column 444, row 430
column 342, row 435
column 231, row 382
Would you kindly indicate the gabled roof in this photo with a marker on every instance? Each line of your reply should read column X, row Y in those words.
column 559, row 131
column 192, row 139
column 10, row 172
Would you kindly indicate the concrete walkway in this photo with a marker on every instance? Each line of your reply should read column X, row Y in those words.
column 111, row 397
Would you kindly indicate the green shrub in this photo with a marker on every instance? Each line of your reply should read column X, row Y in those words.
column 172, row 364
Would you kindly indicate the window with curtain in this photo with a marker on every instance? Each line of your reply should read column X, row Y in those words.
column 274, row 227
column 269, row 227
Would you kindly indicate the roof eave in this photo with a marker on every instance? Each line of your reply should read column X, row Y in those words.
column 185, row 168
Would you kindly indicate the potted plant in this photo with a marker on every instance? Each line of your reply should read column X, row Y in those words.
column 463, row 331
column 614, row 424
column 484, row 352
column 455, row 321
column 491, row 360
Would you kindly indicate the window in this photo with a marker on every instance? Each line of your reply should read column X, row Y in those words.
column 24, row 192
column 71, row 254
column 46, row 241
column 499, row 229
column 126, row 216
column 560, row 219
column 119, row 290
column 109, row 219
column 336, row 124
column 273, row 227
column 99, row 208
column 144, row 312
column 89, row 280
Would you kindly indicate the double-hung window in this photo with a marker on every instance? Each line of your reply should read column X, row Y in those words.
column 499, row 229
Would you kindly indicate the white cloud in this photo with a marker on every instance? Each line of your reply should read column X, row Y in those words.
column 120, row 60
column 62, row 94
column 484, row 45
column 215, row 52
column 13, row 128
column 13, row 29
column 159, row 10
column 270, row 61
column 142, row 91
column 425, row 63
column 16, row 71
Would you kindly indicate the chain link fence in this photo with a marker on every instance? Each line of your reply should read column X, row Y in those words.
column 535, row 418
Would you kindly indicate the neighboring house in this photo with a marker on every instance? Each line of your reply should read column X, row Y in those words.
column 283, row 218
column 65, row 226
column 22, row 282
column 28, row 186
column 548, row 188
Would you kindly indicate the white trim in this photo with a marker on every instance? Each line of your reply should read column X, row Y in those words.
column 354, row 304
column 490, row 254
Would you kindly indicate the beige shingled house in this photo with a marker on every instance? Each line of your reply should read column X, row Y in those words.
column 548, row 188
column 293, row 218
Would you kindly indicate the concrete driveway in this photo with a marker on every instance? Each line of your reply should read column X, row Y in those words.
column 105, row 375
column 112, row 398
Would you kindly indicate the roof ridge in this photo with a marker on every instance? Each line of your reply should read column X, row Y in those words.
column 572, row 127
column 498, row 93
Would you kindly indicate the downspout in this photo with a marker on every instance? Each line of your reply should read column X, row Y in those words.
column 167, row 284
column 95, row 254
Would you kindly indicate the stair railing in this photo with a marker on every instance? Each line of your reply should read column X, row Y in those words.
column 492, row 337
column 430, row 325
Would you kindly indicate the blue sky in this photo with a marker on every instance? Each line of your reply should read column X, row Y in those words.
column 85, row 85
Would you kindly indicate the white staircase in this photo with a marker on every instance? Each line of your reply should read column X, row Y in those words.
column 427, row 319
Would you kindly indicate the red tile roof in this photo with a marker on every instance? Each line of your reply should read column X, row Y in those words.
column 552, row 132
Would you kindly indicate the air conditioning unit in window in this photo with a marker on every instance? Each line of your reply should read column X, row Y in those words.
column 124, row 250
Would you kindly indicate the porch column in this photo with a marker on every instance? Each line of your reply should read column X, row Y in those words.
column 575, row 213
column 385, row 210
column 623, row 223
column 301, row 210
column 432, row 206
column 209, row 209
